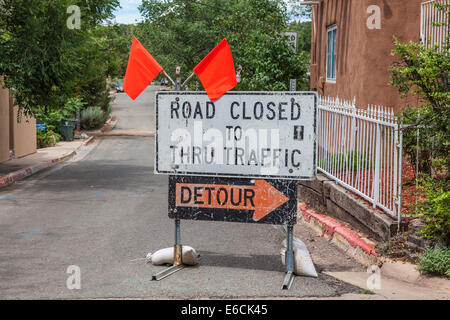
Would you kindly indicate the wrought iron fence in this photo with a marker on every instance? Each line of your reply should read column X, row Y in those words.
column 361, row 149
column 434, row 24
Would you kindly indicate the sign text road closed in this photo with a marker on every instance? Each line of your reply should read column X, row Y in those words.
column 233, row 199
column 243, row 134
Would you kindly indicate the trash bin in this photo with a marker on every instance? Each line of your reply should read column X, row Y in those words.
column 67, row 127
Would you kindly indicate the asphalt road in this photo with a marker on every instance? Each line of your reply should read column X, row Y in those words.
column 105, row 210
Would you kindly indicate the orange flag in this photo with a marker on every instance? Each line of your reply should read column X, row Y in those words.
column 141, row 70
column 216, row 71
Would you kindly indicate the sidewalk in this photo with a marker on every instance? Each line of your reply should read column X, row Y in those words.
column 18, row 169
column 397, row 280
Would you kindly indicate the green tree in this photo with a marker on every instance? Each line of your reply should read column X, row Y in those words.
column 103, row 54
column 298, row 11
column 255, row 31
column 43, row 61
column 35, row 51
column 424, row 72
column 303, row 29
column 179, row 33
column 183, row 32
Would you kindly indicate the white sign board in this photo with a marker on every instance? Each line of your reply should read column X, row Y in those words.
column 242, row 134
column 292, row 39
column 293, row 85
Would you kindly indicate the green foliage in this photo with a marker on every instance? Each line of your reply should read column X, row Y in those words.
column 45, row 63
column 425, row 73
column 47, row 138
column 435, row 261
column 435, row 210
column 353, row 160
column 93, row 117
column 35, row 51
column 104, row 54
column 53, row 117
column 365, row 291
column 299, row 11
column 181, row 33
column 304, row 34
column 433, row 145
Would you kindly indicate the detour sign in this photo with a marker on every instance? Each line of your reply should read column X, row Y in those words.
column 233, row 200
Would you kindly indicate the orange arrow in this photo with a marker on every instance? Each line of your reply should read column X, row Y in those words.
column 262, row 197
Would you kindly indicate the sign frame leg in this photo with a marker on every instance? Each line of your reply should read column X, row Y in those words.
column 289, row 277
column 177, row 256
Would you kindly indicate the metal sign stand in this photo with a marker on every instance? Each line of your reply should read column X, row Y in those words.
column 178, row 262
column 177, row 247
column 177, row 256
column 289, row 258
column 289, row 278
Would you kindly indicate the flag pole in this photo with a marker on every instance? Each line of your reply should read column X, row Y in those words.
column 165, row 73
column 188, row 79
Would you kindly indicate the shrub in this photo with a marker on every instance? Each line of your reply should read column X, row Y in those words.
column 435, row 261
column 435, row 210
column 47, row 138
column 93, row 117
column 353, row 160
column 53, row 117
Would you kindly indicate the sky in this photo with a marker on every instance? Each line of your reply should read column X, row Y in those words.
column 129, row 12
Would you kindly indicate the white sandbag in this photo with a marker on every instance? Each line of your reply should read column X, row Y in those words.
column 303, row 264
column 297, row 243
column 165, row 256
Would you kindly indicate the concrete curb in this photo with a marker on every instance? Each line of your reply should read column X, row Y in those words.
column 350, row 241
column 108, row 126
column 12, row 177
column 88, row 140
column 362, row 249
column 18, row 175
column 127, row 133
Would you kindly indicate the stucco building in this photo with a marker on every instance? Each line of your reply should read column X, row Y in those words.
column 20, row 137
column 351, row 48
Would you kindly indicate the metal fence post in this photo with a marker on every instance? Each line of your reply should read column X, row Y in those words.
column 400, row 164
column 376, row 179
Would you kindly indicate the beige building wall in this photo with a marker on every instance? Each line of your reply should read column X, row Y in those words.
column 4, row 124
column 17, row 136
column 363, row 54
column 24, row 135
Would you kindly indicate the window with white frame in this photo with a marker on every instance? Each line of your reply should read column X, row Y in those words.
column 331, row 53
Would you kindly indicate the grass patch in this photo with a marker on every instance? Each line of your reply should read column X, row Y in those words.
column 365, row 292
column 435, row 261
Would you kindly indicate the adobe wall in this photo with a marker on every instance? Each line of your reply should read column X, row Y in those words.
column 4, row 124
column 363, row 55
column 328, row 197
column 24, row 135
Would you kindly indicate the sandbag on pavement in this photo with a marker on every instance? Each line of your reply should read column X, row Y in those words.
column 165, row 256
column 303, row 264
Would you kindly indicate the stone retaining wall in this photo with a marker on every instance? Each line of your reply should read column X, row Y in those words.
column 327, row 197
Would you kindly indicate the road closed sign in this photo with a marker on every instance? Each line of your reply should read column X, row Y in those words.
column 243, row 134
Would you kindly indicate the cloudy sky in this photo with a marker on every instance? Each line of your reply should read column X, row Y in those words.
column 129, row 12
